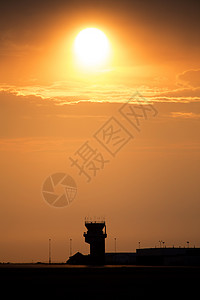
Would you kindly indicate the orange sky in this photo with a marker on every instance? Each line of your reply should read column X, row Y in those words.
column 50, row 107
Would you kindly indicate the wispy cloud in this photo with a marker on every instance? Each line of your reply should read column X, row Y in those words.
column 185, row 115
column 63, row 92
column 189, row 78
column 39, row 144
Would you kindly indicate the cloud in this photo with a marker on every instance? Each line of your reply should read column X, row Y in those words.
column 35, row 124
column 33, row 116
column 188, row 90
column 185, row 115
column 39, row 144
column 62, row 93
column 188, row 94
column 68, row 92
column 190, row 78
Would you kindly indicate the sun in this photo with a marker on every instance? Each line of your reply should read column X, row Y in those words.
column 91, row 47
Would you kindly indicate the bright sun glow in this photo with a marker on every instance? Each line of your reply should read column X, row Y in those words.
column 91, row 47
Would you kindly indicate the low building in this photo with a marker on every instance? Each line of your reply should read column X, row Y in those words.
column 120, row 258
column 168, row 256
column 96, row 235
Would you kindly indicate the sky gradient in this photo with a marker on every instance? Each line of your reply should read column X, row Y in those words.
column 50, row 106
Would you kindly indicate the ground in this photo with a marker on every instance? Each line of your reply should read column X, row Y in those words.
column 108, row 282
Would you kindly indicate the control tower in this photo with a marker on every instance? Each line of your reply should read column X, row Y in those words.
column 95, row 236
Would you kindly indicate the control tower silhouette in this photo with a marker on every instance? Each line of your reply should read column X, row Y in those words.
column 95, row 236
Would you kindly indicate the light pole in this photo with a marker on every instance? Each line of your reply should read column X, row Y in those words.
column 70, row 247
column 115, row 245
column 49, row 251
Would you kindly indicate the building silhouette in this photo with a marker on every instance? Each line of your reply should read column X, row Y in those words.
column 167, row 256
column 95, row 236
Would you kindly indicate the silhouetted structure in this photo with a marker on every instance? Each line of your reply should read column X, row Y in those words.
column 166, row 256
column 95, row 236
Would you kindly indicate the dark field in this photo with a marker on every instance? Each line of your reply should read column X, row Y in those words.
column 108, row 282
